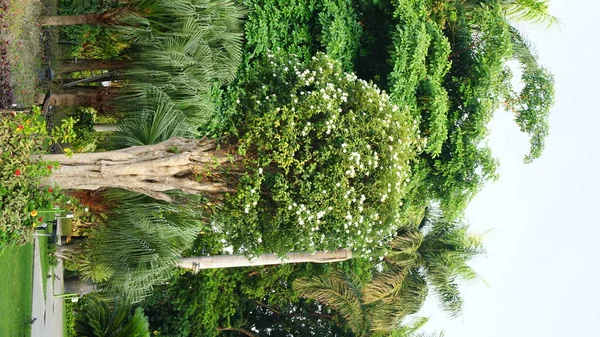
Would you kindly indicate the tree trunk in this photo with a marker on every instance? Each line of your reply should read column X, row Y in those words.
column 75, row 285
column 228, row 261
column 92, row 64
column 106, row 18
column 81, row 96
column 152, row 170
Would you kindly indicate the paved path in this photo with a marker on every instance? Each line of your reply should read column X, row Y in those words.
column 48, row 311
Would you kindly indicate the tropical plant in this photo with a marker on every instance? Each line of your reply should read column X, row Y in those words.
column 346, row 295
column 533, row 11
column 139, row 244
column 158, row 121
column 101, row 318
column 435, row 255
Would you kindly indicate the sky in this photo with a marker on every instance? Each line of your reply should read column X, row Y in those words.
column 541, row 233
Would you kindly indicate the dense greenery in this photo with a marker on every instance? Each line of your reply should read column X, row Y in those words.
column 100, row 318
column 326, row 155
column 342, row 122
column 21, row 198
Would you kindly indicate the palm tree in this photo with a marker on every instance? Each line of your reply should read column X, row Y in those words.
column 99, row 318
column 346, row 295
column 435, row 254
column 157, row 120
column 139, row 243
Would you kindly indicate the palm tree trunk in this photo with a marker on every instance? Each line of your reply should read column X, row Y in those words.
column 75, row 285
column 150, row 170
column 92, row 64
column 81, row 96
column 229, row 261
column 106, row 127
column 106, row 18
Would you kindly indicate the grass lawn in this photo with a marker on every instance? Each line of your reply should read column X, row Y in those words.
column 16, row 286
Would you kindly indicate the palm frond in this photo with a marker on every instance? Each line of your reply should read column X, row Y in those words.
column 153, row 125
column 101, row 318
column 532, row 11
column 141, row 243
column 384, row 286
column 338, row 291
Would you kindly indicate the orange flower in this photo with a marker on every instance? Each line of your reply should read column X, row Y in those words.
column 34, row 213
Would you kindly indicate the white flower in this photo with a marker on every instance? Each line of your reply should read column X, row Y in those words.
column 237, row 101
column 260, row 171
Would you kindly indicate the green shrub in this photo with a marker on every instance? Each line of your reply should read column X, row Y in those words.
column 21, row 197
column 327, row 159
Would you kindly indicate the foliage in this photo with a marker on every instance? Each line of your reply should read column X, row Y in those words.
column 532, row 105
column 140, row 243
column 69, row 320
column 180, row 50
column 347, row 296
column 326, row 160
column 197, row 304
column 99, row 318
column 90, row 42
column 22, row 135
column 302, row 28
column 158, row 122
column 435, row 255
column 533, row 11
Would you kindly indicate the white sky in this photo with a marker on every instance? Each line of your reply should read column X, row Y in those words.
column 541, row 266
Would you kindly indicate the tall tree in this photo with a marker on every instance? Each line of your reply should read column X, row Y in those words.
column 434, row 255
column 330, row 173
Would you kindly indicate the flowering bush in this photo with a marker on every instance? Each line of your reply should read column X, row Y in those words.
column 21, row 197
column 327, row 159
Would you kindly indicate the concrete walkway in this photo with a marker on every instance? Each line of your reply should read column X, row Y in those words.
column 49, row 310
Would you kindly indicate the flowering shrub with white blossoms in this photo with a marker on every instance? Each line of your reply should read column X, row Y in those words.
column 327, row 160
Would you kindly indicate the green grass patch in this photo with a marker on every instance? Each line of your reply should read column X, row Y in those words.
column 16, row 264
